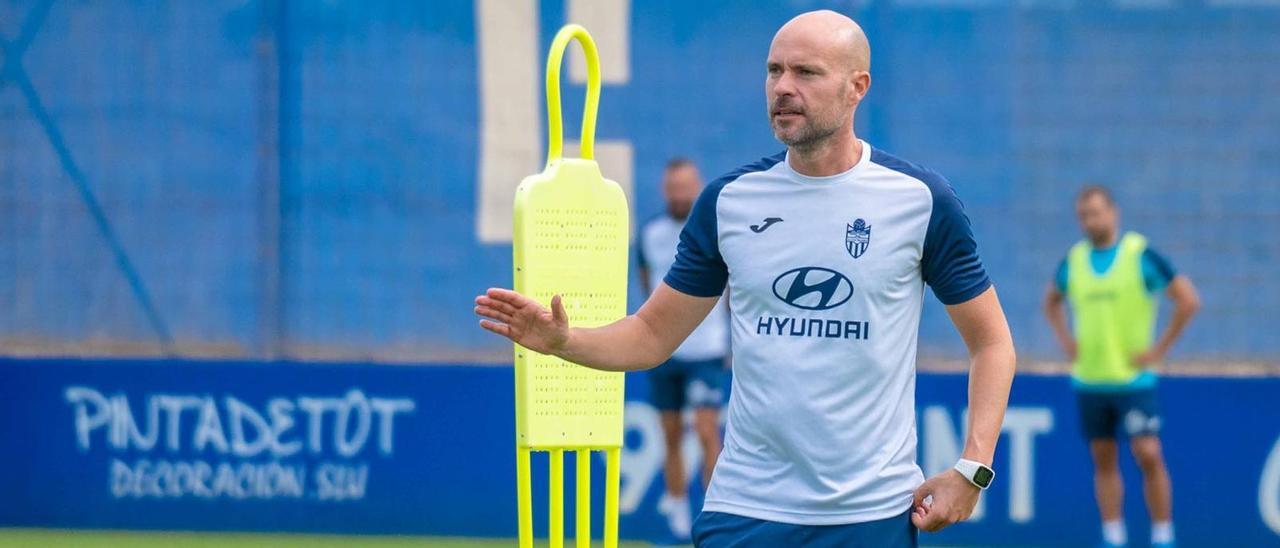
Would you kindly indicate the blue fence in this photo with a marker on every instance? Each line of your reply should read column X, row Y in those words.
column 361, row 448
column 326, row 179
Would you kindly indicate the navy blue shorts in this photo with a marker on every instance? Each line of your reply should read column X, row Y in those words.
column 1133, row 412
column 720, row 530
column 678, row 383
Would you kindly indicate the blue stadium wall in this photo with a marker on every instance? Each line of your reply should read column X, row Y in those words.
column 363, row 448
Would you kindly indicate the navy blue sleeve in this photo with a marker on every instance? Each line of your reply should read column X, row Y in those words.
column 699, row 269
column 951, row 265
column 1060, row 278
column 1157, row 271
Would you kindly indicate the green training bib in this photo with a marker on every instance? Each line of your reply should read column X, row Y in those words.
column 1115, row 316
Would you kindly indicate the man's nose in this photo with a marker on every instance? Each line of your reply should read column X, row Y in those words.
column 784, row 85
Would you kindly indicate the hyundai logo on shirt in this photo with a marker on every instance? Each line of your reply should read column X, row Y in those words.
column 813, row 288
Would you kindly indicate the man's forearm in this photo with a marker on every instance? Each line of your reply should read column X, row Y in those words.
column 1186, row 302
column 990, row 377
column 1181, row 317
column 629, row 344
column 1056, row 313
column 641, row 340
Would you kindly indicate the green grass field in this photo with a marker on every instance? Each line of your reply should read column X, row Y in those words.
column 48, row 538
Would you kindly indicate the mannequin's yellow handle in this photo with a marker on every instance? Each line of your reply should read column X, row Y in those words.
column 555, row 129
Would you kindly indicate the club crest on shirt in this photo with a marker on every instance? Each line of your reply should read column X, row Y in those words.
column 857, row 237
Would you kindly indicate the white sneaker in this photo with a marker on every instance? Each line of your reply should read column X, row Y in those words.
column 679, row 518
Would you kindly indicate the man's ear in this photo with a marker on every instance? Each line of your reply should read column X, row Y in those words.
column 861, row 84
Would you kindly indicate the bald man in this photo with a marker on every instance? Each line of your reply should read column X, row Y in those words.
column 826, row 249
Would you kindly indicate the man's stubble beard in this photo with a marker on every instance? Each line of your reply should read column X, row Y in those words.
column 812, row 136
column 809, row 138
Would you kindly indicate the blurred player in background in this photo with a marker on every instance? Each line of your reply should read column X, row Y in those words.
column 1113, row 281
column 694, row 376
column 826, row 249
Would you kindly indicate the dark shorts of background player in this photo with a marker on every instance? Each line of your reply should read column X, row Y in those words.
column 1133, row 412
column 680, row 383
column 720, row 530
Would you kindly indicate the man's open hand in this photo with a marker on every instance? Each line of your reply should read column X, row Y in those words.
column 524, row 321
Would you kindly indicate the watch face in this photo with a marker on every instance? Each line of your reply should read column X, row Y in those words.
column 983, row 477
